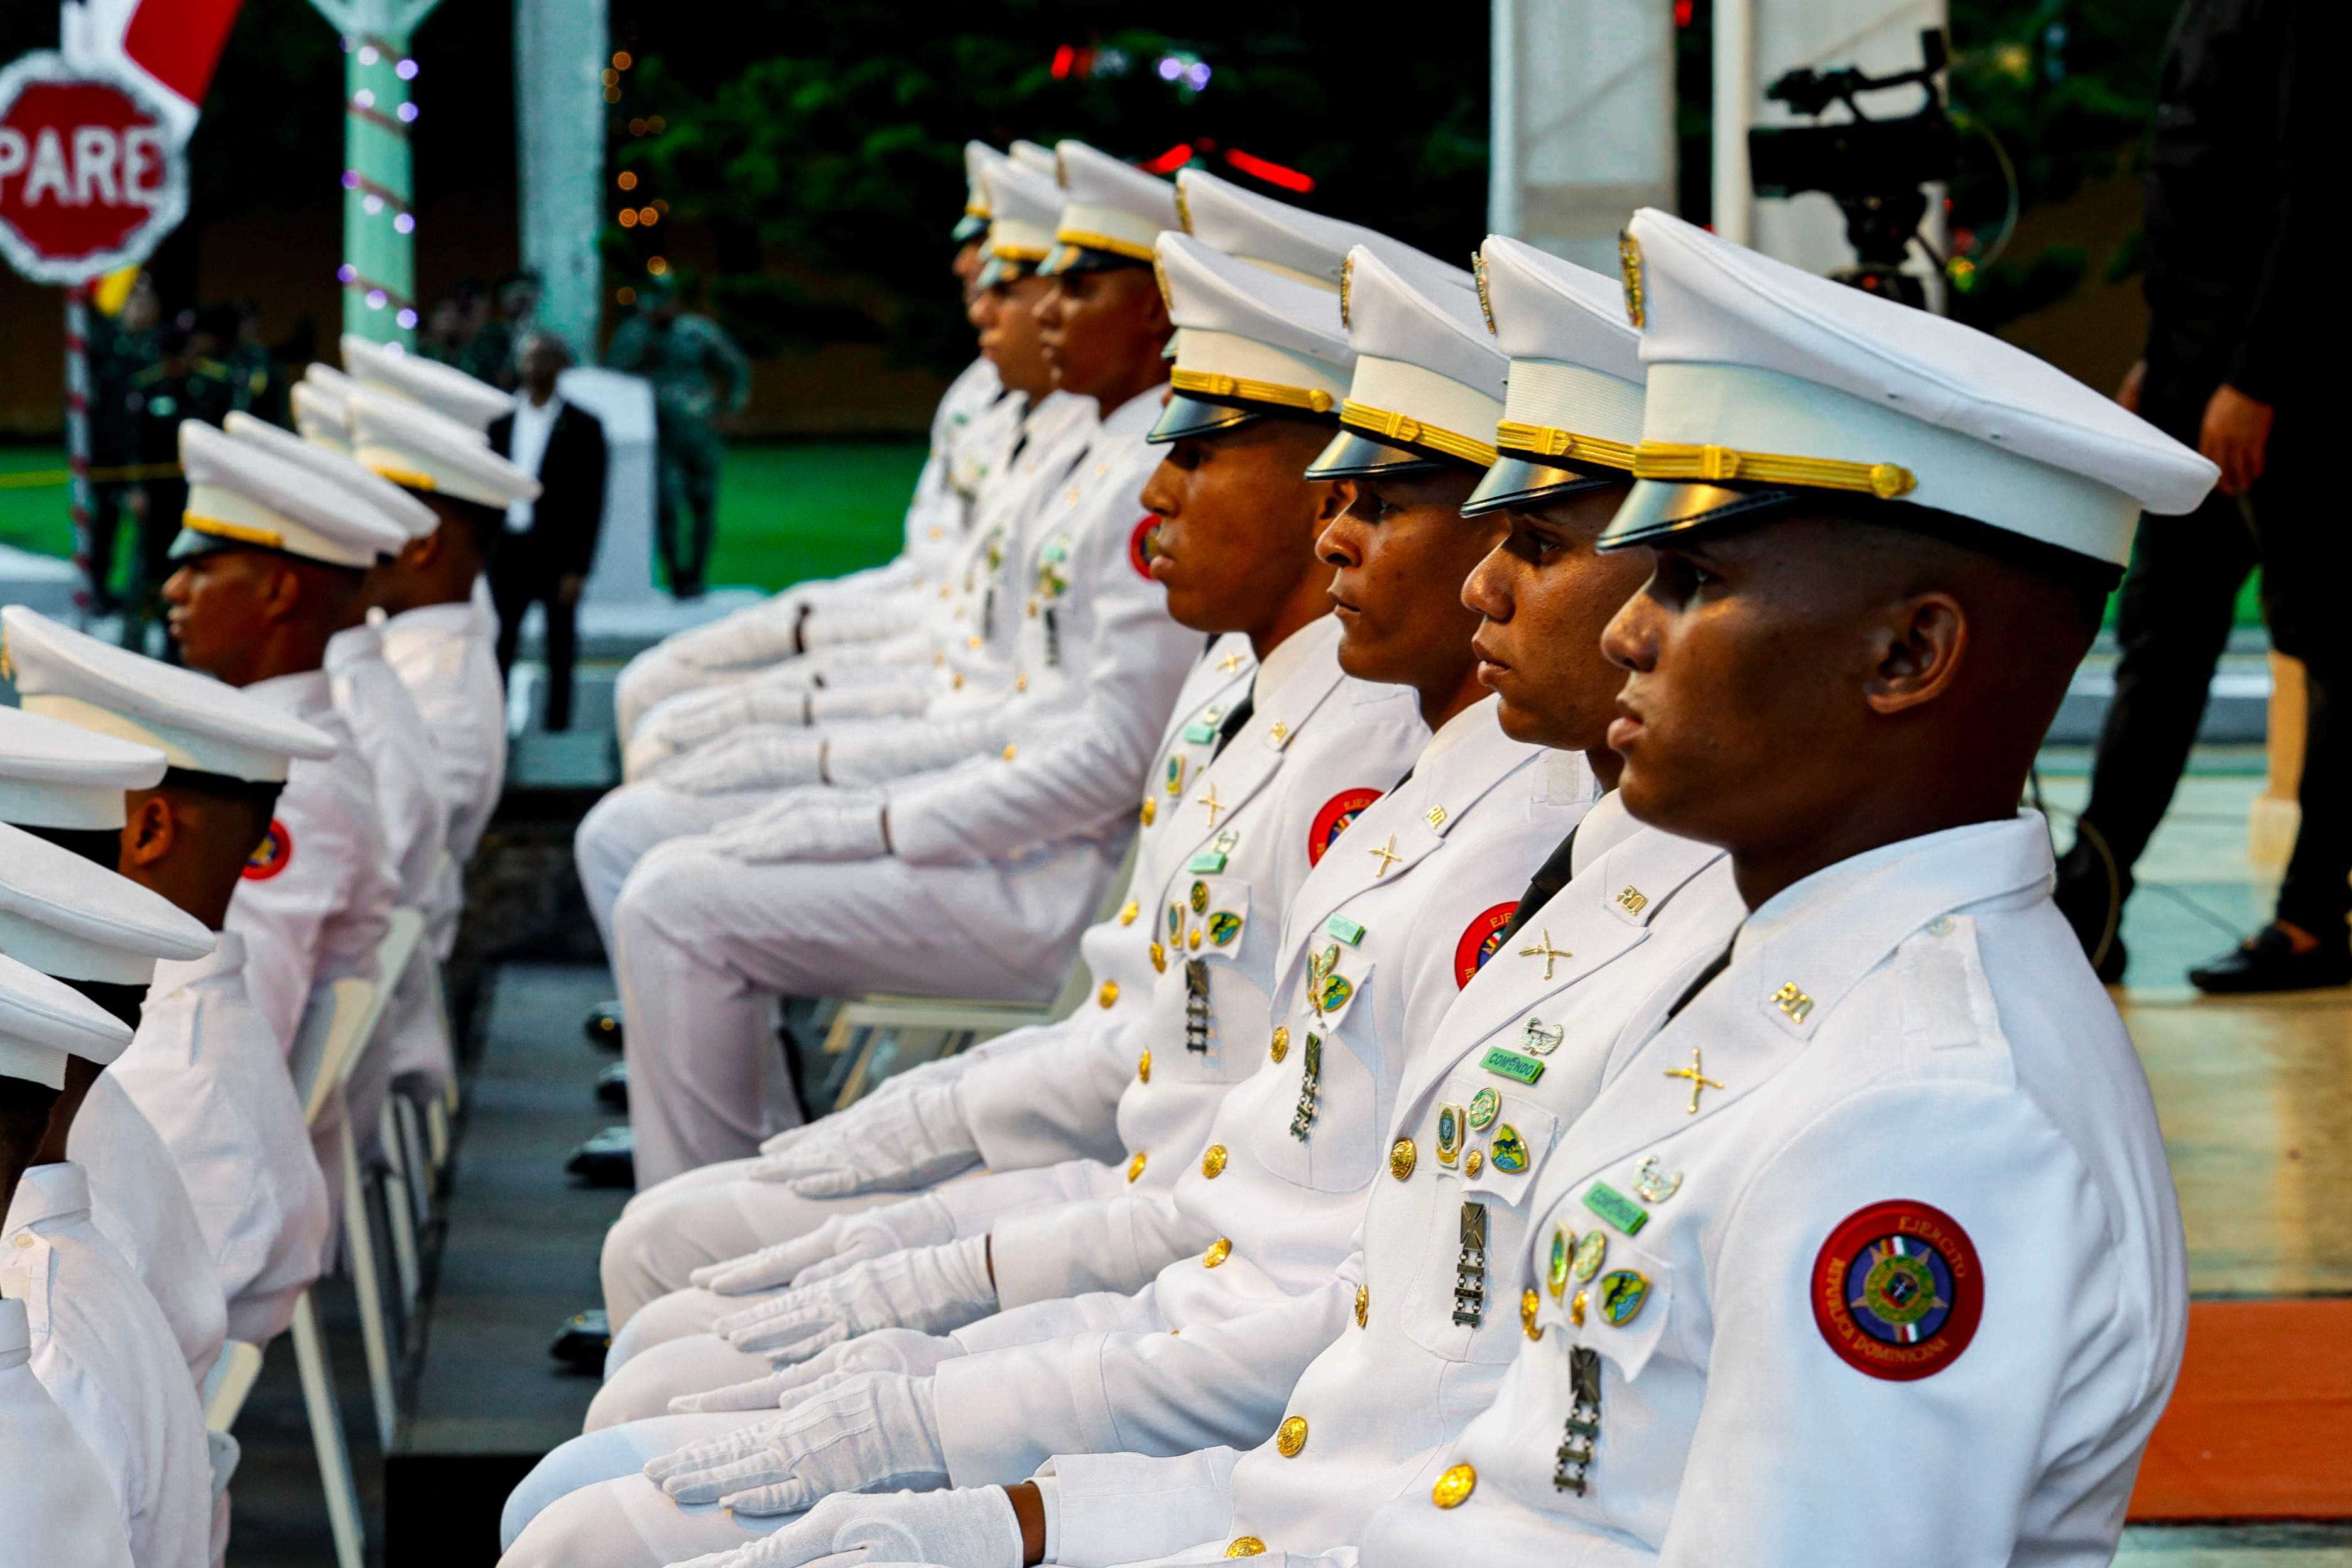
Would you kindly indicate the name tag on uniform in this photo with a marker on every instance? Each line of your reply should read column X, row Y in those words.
column 1513, row 1066
column 1616, row 1208
column 1207, row 860
column 1199, row 734
column 1346, row 930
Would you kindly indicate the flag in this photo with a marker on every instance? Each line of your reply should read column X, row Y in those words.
column 169, row 46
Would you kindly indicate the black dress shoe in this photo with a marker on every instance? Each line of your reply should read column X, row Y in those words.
column 602, row 1026
column 608, row 1160
column 612, row 1086
column 2267, row 961
column 583, row 1342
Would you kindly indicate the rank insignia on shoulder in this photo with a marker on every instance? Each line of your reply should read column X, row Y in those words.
column 1480, row 941
column 1485, row 1106
column 1223, row 926
column 1513, row 1066
column 1898, row 1290
column 1616, row 1208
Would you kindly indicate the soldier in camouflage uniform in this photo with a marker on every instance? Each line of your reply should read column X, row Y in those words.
column 698, row 372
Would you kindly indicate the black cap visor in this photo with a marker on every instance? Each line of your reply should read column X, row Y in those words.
column 1185, row 414
column 1656, row 509
column 1352, row 455
column 1517, row 481
column 971, row 225
column 1085, row 258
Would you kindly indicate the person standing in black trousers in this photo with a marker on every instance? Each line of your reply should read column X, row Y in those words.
column 550, row 544
column 2230, row 370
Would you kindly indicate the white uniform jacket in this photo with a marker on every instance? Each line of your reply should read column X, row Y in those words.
column 1384, row 933
column 316, row 899
column 1433, row 1324
column 1244, row 827
column 54, row 1495
column 206, row 1070
column 1907, row 1249
column 445, row 656
column 101, row 1347
column 139, row 1203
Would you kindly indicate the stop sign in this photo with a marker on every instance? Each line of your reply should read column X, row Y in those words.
column 90, row 174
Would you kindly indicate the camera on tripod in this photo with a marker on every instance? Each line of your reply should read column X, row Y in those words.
column 1874, row 169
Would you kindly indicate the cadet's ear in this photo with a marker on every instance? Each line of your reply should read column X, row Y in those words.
column 422, row 552
column 281, row 594
column 1918, row 647
column 150, row 831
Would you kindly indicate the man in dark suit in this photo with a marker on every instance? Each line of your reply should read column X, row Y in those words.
column 550, row 544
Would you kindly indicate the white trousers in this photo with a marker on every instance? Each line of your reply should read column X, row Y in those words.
column 697, row 1363
column 704, row 1216
column 635, row 819
column 588, row 1504
column 702, row 942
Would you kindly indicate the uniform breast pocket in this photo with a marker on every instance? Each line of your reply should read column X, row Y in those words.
column 1329, row 1141
column 1484, row 1150
column 1613, row 1298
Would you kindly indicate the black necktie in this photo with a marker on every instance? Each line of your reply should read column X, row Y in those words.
column 1722, row 961
column 1549, row 879
column 1234, row 722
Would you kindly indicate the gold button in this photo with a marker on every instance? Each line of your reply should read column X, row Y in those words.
column 1135, row 1167
column 1011, row 749
column 1219, row 1250
column 1281, row 1047
column 1528, row 1302
column 1290, row 1436
column 1363, row 1304
column 1143, row 1069
column 1020, row 683
column 1246, row 1546
column 955, row 681
column 1109, row 994
column 1213, row 1161
column 1193, row 941
column 1454, row 1487
column 973, row 642
column 1159, row 959
column 24, row 1240
column 1475, row 1163
column 1402, row 1157
column 1151, row 810
column 1126, row 916
column 1576, row 1307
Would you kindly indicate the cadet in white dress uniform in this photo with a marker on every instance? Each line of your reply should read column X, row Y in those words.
column 713, row 1216
column 753, row 639
column 101, row 1345
column 53, row 1492
column 204, row 1067
column 1900, row 1125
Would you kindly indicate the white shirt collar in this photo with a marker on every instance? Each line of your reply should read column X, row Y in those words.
column 1981, row 860
column 354, row 645
column 454, row 617
column 1136, row 414
column 49, row 1193
column 303, row 692
column 1313, row 646
column 228, row 957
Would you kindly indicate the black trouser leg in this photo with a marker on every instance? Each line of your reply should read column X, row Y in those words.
column 562, row 644
column 510, row 595
column 2306, row 554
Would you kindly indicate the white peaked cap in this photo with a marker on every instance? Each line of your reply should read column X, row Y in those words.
column 196, row 723
column 1576, row 364
column 239, row 494
column 1292, row 241
column 411, row 516
column 415, row 447
column 53, row 774
column 979, row 158
column 1024, row 206
column 1427, row 372
column 1241, row 333
column 43, row 1022
column 444, row 389
column 75, row 919
column 321, row 414
column 1762, row 373
column 1111, row 205
column 1037, row 158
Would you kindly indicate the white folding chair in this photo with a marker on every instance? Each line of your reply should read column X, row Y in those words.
column 329, row 1037
column 394, row 955
column 229, row 1383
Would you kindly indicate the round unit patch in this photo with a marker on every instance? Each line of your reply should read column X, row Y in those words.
column 1142, row 545
column 272, row 854
column 1898, row 1290
column 1481, row 940
column 1337, row 814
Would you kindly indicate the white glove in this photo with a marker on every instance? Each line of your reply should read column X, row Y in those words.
column 972, row 1527
column 876, row 1431
column 760, row 634
column 831, row 1248
column 763, row 756
column 830, row 625
column 933, row 1289
column 892, row 1144
column 885, row 1349
column 873, row 700
column 877, row 757
column 823, row 824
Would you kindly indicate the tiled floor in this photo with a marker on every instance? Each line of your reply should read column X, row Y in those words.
column 2253, row 1098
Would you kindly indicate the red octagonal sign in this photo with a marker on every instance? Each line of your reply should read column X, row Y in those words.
column 90, row 174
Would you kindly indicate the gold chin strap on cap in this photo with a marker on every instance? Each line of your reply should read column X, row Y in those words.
column 1212, row 384
column 1551, row 441
column 1404, row 427
column 1673, row 460
column 1090, row 240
